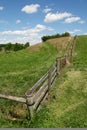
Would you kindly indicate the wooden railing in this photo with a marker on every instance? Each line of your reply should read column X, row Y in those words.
column 35, row 95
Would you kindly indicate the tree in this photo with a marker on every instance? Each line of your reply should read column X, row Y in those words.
column 27, row 44
column 8, row 47
column 0, row 48
column 18, row 46
column 66, row 34
column 45, row 38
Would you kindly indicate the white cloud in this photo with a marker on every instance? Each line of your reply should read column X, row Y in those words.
column 2, row 39
column 72, row 19
column 40, row 27
column 82, row 22
column 50, row 17
column 18, row 21
column 74, row 31
column 1, row 8
column 30, row 8
column 36, row 29
column 32, row 35
column 32, row 39
column 46, row 10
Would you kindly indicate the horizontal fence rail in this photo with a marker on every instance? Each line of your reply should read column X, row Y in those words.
column 38, row 92
column 35, row 95
column 13, row 98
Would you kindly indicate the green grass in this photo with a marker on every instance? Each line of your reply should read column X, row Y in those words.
column 68, row 101
column 80, row 57
column 20, row 70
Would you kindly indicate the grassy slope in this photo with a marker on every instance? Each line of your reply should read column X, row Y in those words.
column 80, row 60
column 18, row 72
column 68, row 103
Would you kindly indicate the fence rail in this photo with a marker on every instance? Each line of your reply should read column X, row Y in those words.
column 35, row 95
column 13, row 98
column 38, row 92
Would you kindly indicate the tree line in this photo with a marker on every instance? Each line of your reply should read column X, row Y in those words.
column 45, row 38
column 13, row 47
column 17, row 46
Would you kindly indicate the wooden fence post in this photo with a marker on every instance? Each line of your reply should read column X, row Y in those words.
column 60, row 59
column 49, row 83
column 69, row 56
column 67, row 59
column 30, row 103
column 58, row 66
column 71, row 51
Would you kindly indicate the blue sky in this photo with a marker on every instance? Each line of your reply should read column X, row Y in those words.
column 28, row 20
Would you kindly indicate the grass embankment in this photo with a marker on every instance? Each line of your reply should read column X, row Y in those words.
column 68, row 103
column 18, row 72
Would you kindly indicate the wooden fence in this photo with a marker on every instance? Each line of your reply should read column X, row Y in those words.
column 35, row 95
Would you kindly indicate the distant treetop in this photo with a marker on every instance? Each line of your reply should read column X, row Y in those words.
column 45, row 38
column 13, row 47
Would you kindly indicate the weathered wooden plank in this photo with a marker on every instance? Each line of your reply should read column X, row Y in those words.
column 52, row 67
column 30, row 91
column 37, row 103
column 67, row 60
column 49, row 83
column 63, row 61
column 58, row 65
column 49, row 79
column 39, row 92
column 13, row 98
column 54, row 71
column 53, row 78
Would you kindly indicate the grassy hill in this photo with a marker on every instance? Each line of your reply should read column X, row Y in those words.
column 20, row 70
column 68, row 101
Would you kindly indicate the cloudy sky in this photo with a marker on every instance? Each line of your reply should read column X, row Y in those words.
column 28, row 20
